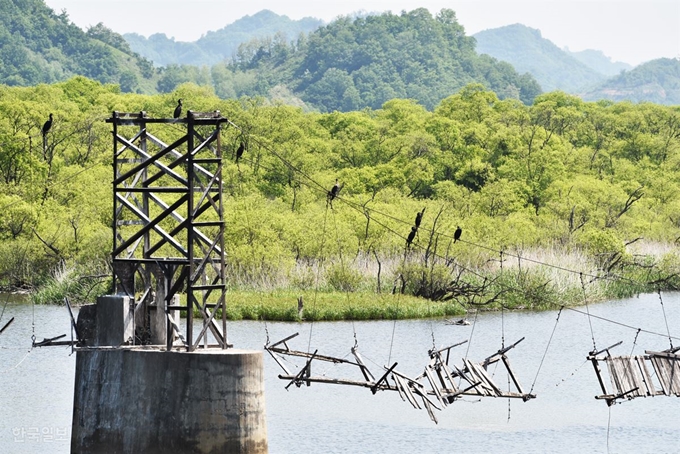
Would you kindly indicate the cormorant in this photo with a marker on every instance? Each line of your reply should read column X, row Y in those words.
column 456, row 234
column 178, row 109
column 333, row 193
column 419, row 218
column 411, row 236
column 46, row 127
column 240, row 150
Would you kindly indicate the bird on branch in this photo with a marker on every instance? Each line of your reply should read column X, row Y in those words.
column 45, row 129
column 419, row 218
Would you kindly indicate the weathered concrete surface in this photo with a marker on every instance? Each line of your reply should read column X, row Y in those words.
column 87, row 324
column 115, row 321
column 151, row 401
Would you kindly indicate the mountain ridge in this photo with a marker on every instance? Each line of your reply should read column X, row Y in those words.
column 218, row 45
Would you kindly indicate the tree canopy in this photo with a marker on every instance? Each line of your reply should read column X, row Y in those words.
column 562, row 172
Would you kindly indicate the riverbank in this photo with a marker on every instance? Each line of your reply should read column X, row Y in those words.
column 413, row 287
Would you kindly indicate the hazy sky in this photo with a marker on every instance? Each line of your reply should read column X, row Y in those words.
column 628, row 31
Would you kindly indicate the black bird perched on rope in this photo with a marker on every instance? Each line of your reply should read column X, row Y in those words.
column 240, row 150
column 456, row 234
column 178, row 109
column 333, row 193
column 411, row 236
column 419, row 218
column 45, row 129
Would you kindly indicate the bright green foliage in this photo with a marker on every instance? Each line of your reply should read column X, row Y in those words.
column 367, row 61
column 581, row 178
column 39, row 46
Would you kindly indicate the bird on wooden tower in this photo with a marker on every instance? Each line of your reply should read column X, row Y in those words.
column 411, row 236
column 178, row 109
column 45, row 129
column 419, row 218
column 457, row 233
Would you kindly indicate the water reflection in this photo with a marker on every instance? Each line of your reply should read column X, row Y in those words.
column 565, row 417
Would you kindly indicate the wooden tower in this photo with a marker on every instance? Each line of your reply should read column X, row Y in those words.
column 168, row 225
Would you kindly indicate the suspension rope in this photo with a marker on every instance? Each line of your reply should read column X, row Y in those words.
column 670, row 340
column 573, row 373
column 621, row 324
column 344, row 271
column 546, row 350
column 3, row 309
column 634, row 342
column 609, row 423
column 503, row 319
column 318, row 271
column 396, row 310
column 585, row 300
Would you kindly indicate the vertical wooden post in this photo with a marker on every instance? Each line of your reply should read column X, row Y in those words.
column 191, row 182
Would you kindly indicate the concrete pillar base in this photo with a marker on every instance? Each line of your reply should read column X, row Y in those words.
column 134, row 400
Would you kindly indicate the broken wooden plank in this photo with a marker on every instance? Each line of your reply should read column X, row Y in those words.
column 401, row 392
column 279, row 361
column 334, row 381
column 303, row 371
column 47, row 341
column 481, row 372
column 364, row 370
column 435, row 388
column 596, row 353
column 646, row 378
column 428, row 407
column 423, row 394
column 73, row 319
column 667, row 369
column 302, row 354
column 497, row 356
column 407, row 390
column 6, row 325
column 281, row 341
column 484, row 388
column 374, row 388
column 518, row 386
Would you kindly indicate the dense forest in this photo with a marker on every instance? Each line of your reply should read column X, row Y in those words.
column 361, row 62
column 591, row 186
column 348, row 65
column 39, row 46
column 655, row 81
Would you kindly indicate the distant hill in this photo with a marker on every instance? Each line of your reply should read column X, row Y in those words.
column 528, row 51
column 598, row 61
column 351, row 63
column 39, row 46
column 656, row 81
column 222, row 44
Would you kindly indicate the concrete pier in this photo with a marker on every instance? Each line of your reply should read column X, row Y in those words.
column 144, row 399
column 152, row 401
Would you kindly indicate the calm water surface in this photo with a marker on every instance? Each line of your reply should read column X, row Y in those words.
column 36, row 395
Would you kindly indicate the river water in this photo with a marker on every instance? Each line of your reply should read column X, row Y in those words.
column 36, row 385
